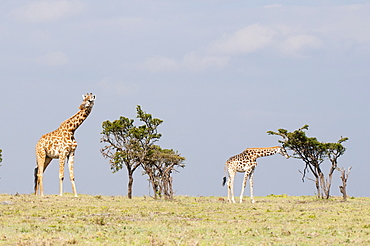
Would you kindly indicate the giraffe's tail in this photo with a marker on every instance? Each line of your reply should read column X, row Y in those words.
column 35, row 174
column 224, row 178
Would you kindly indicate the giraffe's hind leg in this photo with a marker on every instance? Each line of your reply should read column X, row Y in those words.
column 230, row 186
column 228, row 191
column 42, row 162
column 38, row 181
column 246, row 175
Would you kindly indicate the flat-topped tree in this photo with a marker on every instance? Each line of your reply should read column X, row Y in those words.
column 128, row 145
column 313, row 153
column 159, row 166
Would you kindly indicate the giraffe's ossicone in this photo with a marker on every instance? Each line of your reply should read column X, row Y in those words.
column 61, row 144
column 246, row 162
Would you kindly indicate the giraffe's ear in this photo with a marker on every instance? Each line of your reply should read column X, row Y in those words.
column 93, row 97
column 83, row 97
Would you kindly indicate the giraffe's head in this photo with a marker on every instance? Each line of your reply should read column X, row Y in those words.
column 88, row 101
column 282, row 151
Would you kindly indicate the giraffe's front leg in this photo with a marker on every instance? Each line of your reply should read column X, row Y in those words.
column 71, row 172
column 251, row 186
column 61, row 174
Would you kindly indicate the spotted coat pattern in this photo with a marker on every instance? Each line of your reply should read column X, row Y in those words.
column 246, row 162
column 61, row 144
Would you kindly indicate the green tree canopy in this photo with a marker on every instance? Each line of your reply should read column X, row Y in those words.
column 313, row 153
column 130, row 146
column 127, row 145
column 161, row 163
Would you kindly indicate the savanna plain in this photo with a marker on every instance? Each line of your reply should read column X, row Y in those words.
column 117, row 220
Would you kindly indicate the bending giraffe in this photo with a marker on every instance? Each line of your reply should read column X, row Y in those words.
column 246, row 162
column 61, row 144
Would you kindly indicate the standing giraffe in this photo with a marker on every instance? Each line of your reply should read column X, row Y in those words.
column 246, row 162
column 61, row 144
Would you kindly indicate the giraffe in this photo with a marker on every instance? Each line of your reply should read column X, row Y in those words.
column 246, row 162
column 61, row 144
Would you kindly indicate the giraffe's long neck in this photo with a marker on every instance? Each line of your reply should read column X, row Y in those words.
column 261, row 152
column 75, row 121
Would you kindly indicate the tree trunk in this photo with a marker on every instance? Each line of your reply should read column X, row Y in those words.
column 328, row 185
column 343, row 187
column 156, row 188
column 323, row 186
column 153, row 181
column 318, row 179
column 330, row 177
column 166, row 192
column 130, row 183
column 318, row 187
column 170, row 189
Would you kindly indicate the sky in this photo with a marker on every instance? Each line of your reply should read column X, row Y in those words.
column 219, row 73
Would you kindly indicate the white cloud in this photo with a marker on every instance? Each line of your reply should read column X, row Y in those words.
column 287, row 40
column 294, row 36
column 47, row 11
column 295, row 45
column 191, row 61
column 197, row 62
column 293, row 33
column 247, row 40
column 53, row 59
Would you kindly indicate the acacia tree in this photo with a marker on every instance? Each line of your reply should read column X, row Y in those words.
column 161, row 163
column 313, row 153
column 128, row 145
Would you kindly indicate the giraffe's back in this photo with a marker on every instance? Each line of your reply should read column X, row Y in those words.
column 56, row 143
column 240, row 162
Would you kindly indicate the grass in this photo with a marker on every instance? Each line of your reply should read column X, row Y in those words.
column 108, row 220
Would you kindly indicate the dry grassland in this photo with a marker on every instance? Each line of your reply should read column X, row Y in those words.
column 106, row 220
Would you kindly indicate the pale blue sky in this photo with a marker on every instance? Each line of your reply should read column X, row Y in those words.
column 219, row 73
